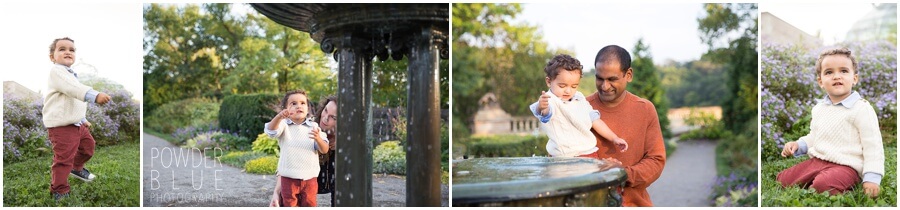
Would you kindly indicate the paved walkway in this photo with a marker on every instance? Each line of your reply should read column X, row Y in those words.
column 688, row 176
column 173, row 176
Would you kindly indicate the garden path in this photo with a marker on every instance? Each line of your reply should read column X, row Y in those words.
column 688, row 176
column 166, row 183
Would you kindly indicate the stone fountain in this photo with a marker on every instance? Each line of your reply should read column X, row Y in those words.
column 356, row 34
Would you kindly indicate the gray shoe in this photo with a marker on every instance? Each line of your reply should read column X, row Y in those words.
column 84, row 175
column 58, row 196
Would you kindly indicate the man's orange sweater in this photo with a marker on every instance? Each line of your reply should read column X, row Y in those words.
column 634, row 120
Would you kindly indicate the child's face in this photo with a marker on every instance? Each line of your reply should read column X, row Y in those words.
column 565, row 85
column 63, row 53
column 837, row 76
column 297, row 104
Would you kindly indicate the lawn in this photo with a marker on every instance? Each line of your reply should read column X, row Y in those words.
column 774, row 195
column 117, row 167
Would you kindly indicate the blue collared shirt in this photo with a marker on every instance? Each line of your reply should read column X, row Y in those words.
column 848, row 103
column 90, row 96
column 290, row 122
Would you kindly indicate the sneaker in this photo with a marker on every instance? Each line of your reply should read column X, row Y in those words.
column 84, row 175
column 58, row 196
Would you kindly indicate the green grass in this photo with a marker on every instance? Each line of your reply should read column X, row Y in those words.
column 117, row 167
column 774, row 195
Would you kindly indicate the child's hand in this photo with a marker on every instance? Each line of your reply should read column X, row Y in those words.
column 285, row 113
column 314, row 133
column 871, row 189
column 621, row 144
column 102, row 98
column 543, row 103
column 611, row 163
column 789, row 149
column 88, row 124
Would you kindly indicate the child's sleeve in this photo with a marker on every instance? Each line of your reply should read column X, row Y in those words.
column 866, row 123
column 277, row 132
column 63, row 81
column 536, row 113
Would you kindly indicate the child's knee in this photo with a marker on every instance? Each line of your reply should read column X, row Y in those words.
column 825, row 185
column 783, row 179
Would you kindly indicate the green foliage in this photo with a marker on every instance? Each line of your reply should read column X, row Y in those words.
column 183, row 113
column 776, row 195
column 202, row 141
column 389, row 157
column 390, row 84
column 208, row 50
column 247, row 114
column 738, row 54
column 240, row 158
column 263, row 165
column 507, row 146
column 646, row 84
column 266, row 144
column 399, row 130
column 737, row 168
column 26, row 183
column 233, row 142
column 710, row 127
column 492, row 55
column 694, row 83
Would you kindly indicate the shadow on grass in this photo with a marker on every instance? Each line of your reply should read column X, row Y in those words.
column 774, row 195
column 117, row 167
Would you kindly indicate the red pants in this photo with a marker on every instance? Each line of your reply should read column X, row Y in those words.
column 72, row 147
column 821, row 175
column 296, row 192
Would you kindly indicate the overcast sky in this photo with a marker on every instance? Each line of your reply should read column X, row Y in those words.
column 107, row 36
column 833, row 20
column 670, row 29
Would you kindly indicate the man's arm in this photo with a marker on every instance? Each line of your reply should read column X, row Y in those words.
column 650, row 167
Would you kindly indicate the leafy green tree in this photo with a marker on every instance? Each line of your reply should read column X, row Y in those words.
column 492, row 55
column 208, row 51
column 646, row 84
column 730, row 31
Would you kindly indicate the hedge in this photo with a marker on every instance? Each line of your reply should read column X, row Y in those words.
column 247, row 114
column 508, row 146
column 171, row 116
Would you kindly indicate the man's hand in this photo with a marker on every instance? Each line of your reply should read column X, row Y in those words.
column 871, row 189
column 789, row 149
column 543, row 103
column 610, row 163
column 102, row 98
column 620, row 144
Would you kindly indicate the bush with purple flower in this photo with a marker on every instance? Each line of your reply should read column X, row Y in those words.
column 25, row 137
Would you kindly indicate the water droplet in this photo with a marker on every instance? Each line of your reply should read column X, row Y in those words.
column 347, row 177
column 429, row 147
column 340, row 151
column 351, row 195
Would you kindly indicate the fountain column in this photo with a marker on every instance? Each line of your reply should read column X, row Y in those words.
column 423, row 139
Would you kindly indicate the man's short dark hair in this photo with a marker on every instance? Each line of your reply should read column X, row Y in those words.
column 614, row 53
column 562, row 61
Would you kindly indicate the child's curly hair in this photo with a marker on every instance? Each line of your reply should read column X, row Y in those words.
column 838, row 51
column 53, row 45
column 561, row 61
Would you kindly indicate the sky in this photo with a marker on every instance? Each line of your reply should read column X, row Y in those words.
column 107, row 36
column 808, row 17
column 670, row 29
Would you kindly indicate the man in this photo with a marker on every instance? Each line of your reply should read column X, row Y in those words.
column 632, row 118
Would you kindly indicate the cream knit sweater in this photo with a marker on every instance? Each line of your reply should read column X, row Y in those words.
column 298, row 155
column 569, row 128
column 64, row 103
column 847, row 136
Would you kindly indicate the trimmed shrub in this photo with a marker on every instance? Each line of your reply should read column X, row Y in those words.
column 389, row 158
column 263, row 165
column 266, row 144
column 247, row 114
column 193, row 112
column 508, row 146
